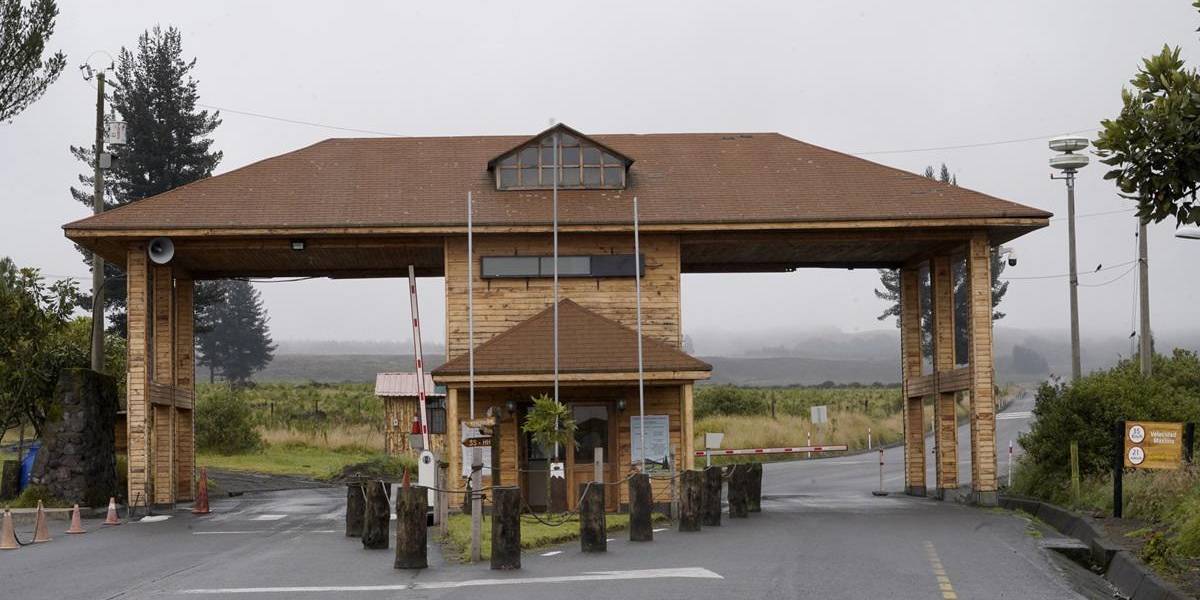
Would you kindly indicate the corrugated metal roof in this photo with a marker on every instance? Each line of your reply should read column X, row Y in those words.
column 405, row 384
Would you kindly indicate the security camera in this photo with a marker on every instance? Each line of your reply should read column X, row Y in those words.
column 1012, row 255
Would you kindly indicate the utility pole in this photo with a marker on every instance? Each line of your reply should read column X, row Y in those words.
column 97, row 208
column 1145, row 346
column 1069, row 163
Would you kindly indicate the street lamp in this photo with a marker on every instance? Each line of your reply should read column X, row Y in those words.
column 1069, row 163
column 1188, row 233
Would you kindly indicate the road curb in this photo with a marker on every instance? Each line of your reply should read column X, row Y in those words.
column 1121, row 568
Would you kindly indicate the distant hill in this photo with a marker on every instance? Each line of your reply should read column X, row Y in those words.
column 337, row 368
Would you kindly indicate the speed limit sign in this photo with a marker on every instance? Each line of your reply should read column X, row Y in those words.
column 1136, row 455
column 1137, row 434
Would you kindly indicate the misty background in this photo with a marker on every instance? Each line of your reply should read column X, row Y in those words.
column 979, row 87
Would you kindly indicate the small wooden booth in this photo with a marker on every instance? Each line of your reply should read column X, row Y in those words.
column 709, row 203
column 401, row 407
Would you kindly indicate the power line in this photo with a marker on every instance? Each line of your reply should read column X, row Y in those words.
column 1113, row 280
column 1098, row 214
column 1109, row 268
column 298, row 121
column 971, row 145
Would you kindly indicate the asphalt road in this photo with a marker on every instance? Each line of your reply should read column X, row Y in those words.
column 821, row 535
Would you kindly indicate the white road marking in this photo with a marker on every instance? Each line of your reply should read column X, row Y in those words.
column 154, row 518
column 267, row 517
column 661, row 529
column 680, row 573
column 228, row 532
column 552, row 553
column 1021, row 414
column 611, row 540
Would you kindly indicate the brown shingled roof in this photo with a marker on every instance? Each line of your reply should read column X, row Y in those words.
column 680, row 178
column 587, row 343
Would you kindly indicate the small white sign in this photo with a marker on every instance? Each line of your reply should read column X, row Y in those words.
column 819, row 414
column 1136, row 455
column 466, row 433
column 712, row 441
column 1137, row 433
column 557, row 471
column 114, row 132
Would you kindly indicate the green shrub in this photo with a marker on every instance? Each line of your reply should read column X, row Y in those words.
column 32, row 494
column 729, row 400
column 225, row 425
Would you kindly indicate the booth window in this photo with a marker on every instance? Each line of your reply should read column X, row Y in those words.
column 600, row 265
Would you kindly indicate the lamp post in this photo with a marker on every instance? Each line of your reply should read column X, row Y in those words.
column 1069, row 163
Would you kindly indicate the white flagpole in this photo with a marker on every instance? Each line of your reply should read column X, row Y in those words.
column 637, row 282
column 554, row 228
column 470, row 309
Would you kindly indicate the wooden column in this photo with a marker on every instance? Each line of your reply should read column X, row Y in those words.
column 983, row 403
column 453, row 447
column 137, row 373
column 185, row 390
column 687, row 429
column 162, row 345
column 945, row 419
column 910, row 349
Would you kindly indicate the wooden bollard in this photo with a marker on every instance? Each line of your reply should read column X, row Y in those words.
column 711, row 502
column 356, row 503
column 506, row 528
column 377, row 517
column 754, row 488
column 691, row 500
column 558, row 494
column 641, row 505
column 411, row 528
column 593, row 534
column 737, row 492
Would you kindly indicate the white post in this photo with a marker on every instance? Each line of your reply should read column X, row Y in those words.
column 470, row 309
column 808, row 442
column 1010, row 457
column 868, row 438
column 637, row 282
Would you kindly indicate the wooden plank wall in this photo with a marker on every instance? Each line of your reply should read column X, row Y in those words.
column 185, row 389
column 945, row 419
column 137, row 372
column 914, row 409
column 983, row 404
column 398, row 415
column 502, row 303
column 162, row 345
column 660, row 400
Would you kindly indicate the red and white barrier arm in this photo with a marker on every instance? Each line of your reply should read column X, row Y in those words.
column 793, row 450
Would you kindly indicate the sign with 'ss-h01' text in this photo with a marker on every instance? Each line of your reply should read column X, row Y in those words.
column 1153, row 445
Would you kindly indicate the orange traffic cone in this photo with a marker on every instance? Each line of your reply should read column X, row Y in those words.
column 201, row 505
column 112, row 518
column 41, row 533
column 76, row 526
column 405, row 481
column 8, row 537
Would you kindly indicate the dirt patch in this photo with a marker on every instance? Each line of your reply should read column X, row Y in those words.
column 235, row 483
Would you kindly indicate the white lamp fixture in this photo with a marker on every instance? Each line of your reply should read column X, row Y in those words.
column 1188, row 233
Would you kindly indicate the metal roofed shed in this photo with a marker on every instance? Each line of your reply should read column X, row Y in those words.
column 400, row 406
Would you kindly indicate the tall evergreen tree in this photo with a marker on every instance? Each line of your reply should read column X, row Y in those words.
column 889, row 280
column 24, row 76
column 239, row 343
column 168, row 141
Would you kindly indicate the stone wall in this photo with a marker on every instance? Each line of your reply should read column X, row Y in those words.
column 77, row 461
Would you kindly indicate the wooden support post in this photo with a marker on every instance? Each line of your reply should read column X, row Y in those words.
column 687, row 429
column 162, row 353
column 914, row 415
column 598, row 465
column 738, row 508
column 185, row 388
column 137, row 372
column 983, row 401
column 944, row 417
column 593, row 533
column 506, row 528
column 411, row 529
column 476, row 504
column 754, row 488
column 711, row 498
column 641, row 505
column 558, row 494
column 443, row 498
column 377, row 517
column 1074, row 472
column 356, row 506
column 691, row 484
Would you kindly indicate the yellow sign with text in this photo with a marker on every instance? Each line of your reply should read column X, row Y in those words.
column 1151, row 445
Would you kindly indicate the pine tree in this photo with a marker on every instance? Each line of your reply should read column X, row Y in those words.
column 24, row 76
column 167, row 145
column 239, row 343
column 889, row 280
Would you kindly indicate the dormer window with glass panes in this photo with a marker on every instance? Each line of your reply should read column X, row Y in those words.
column 582, row 164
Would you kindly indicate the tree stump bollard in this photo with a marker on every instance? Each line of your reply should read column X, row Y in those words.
column 558, row 494
column 377, row 520
column 506, row 528
column 754, row 488
column 593, row 534
column 641, row 505
column 691, row 500
column 412, row 528
column 356, row 504
column 737, row 492
column 711, row 502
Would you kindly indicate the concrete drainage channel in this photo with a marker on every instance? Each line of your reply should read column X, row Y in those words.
column 1089, row 548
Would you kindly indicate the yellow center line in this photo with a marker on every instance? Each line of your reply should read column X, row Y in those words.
column 939, row 572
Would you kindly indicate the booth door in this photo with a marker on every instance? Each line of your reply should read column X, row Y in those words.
column 595, row 434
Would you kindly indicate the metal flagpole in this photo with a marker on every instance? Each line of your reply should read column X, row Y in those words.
column 470, row 309
column 554, row 228
column 417, row 354
column 637, row 282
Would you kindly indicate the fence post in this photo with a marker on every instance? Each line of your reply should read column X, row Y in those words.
column 506, row 528
column 754, row 488
column 1074, row 472
column 411, row 528
column 593, row 534
column 691, row 486
column 377, row 522
column 443, row 498
column 1189, row 441
column 476, row 504
column 737, row 492
column 711, row 501
column 641, row 501
column 356, row 504
column 1118, row 467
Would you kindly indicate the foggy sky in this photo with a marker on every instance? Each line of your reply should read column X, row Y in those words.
column 862, row 77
